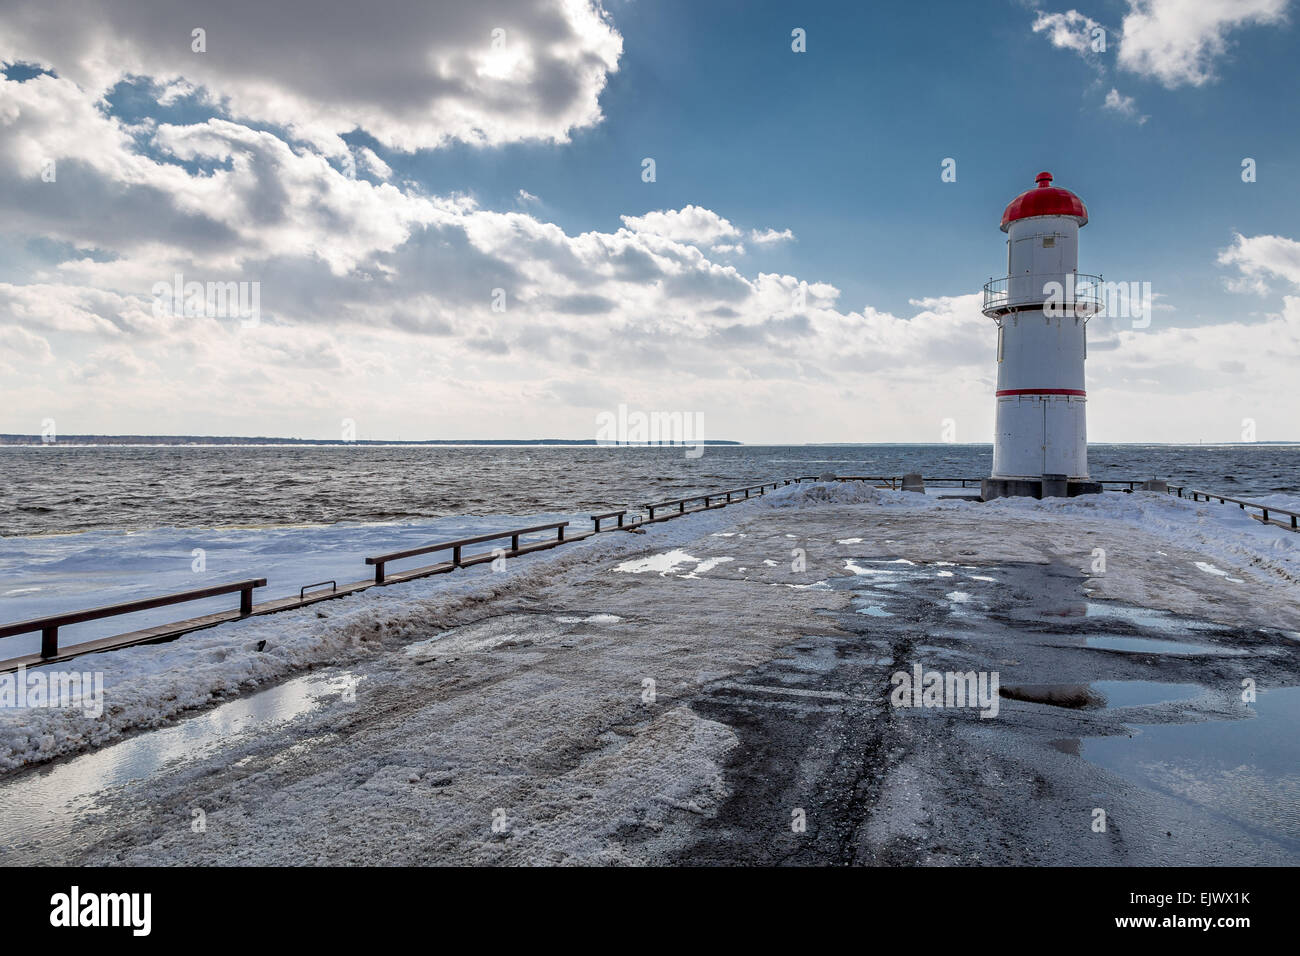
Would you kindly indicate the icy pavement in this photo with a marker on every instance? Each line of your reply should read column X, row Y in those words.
column 718, row 689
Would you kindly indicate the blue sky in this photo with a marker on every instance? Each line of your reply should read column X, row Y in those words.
column 843, row 144
column 380, row 175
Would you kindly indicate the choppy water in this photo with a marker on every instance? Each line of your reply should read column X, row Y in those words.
column 68, row 488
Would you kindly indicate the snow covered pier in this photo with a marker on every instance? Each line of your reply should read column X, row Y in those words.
column 722, row 688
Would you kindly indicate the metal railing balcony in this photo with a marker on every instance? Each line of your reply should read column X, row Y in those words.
column 1072, row 293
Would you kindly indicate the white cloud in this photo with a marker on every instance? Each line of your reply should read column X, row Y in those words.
column 770, row 237
column 413, row 74
column 1259, row 257
column 373, row 164
column 1071, row 30
column 1178, row 42
column 1124, row 105
column 691, row 223
column 377, row 305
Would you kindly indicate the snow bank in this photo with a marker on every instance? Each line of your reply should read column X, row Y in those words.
column 1225, row 533
column 815, row 494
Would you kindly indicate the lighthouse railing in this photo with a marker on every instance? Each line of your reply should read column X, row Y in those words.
column 1073, row 292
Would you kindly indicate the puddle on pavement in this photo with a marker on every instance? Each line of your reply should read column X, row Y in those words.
column 45, row 803
column 1150, row 645
column 1104, row 693
column 1247, row 770
column 1146, row 617
column 874, row 610
column 1143, row 693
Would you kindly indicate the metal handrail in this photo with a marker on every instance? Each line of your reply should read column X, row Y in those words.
column 455, row 546
column 597, row 519
column 708, row 497
column 1243, row 505
column 1081, row 294
column 49, row 625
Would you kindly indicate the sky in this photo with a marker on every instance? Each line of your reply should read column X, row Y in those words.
column 512, row 218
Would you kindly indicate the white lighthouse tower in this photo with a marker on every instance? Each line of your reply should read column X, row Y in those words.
column 1041, row 307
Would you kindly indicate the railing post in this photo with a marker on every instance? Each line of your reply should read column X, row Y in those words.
column 514, row 538
column 245, row 602
column 455, row 556
column 560, row 536
column 379, row 572
column 620, row 519
column 681, row 507
column 1266, row 514
column 49, row 641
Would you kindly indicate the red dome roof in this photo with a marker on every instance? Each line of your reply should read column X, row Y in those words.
column 1046, row 200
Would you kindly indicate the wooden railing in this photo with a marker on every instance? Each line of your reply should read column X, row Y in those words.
column 379, row 561
column 49, row 626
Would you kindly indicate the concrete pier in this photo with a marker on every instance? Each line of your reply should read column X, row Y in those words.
column 991, row 488
column 727, row 699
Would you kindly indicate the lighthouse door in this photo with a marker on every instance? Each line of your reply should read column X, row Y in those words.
column 1047, row 436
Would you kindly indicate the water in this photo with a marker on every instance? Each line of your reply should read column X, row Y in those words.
column 1246, row 770
column 1147, row 645
column 70, row 488
column 1143, row 693
column 45, row 804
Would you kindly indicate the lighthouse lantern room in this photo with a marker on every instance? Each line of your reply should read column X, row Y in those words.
column 1041, row 309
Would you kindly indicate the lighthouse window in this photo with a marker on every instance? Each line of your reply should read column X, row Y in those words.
column 999, row 343
column 1049, row 242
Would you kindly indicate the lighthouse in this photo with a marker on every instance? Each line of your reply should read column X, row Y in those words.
column 1041, row 309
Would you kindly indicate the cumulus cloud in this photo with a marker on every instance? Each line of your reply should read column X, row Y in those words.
column 1178, row 42
column 771, row 237
column 1259, row 257
column 689, row 224
column 399, row 309
column 411, row 73
column 1175, row 42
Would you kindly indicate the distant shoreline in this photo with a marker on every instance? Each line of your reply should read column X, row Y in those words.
column 210, row 441
column 157, row 441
